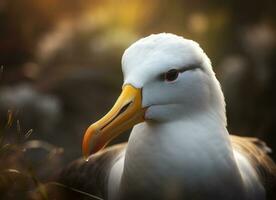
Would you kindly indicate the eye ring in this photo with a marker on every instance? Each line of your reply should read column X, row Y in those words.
column 171, row 75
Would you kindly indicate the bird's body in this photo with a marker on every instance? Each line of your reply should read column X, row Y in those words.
column 101, row 174
column 181, row 149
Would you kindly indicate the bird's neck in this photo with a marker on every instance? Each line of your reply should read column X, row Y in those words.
column 181, row 155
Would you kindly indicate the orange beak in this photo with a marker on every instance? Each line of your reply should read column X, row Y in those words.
column 126, row 112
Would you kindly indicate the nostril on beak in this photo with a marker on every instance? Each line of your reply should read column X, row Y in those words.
column 123, row 109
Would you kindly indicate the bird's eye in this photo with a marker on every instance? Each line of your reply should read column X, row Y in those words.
column 171, row 75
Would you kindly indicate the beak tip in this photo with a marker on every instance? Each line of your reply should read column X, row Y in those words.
column 114, row 122
column 86, row 158
column 86, row 141
column 85, row 150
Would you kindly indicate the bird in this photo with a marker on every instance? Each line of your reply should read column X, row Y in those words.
column 179, row 146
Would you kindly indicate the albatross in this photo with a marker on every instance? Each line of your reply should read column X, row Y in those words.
column 179, row 147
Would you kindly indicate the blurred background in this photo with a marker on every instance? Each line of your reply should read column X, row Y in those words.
column 60, row 68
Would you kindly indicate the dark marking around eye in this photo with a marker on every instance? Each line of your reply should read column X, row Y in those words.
column 190, row 67
column 171, row 75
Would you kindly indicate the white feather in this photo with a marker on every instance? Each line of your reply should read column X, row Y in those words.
column 183, row 149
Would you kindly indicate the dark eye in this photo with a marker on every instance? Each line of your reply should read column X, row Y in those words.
column 171, row 75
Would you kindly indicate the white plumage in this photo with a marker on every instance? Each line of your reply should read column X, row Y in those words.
column 182, row 149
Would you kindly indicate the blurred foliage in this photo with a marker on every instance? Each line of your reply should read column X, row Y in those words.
column 24, row 163
column 60, row 70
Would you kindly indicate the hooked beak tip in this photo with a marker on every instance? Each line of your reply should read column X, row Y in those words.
column 126, row 112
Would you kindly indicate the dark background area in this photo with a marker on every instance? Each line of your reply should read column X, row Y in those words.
column 60, row 67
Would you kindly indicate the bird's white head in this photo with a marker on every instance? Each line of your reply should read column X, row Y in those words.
column 166, row 77
column 175, row 76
